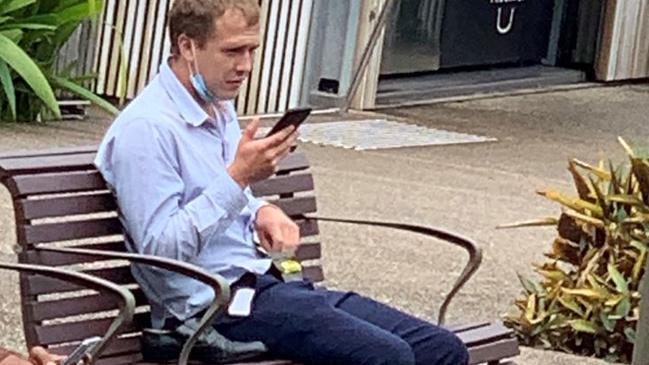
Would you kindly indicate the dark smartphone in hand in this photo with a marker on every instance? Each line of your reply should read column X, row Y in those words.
column 293, row 117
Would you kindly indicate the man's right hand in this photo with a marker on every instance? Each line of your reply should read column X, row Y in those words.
column 257, row 159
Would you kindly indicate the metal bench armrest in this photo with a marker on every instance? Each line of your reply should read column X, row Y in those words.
column 126, row 304
column 475, row 253
column 217, row 283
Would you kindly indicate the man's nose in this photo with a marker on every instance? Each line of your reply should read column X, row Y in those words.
column 245, row 62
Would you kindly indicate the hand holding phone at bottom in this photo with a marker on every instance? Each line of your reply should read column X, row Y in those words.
column 257, row 159
column 40, row 356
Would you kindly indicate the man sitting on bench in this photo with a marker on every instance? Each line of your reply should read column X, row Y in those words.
column 180, row 169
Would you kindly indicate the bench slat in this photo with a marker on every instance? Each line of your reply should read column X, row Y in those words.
column 52, row 232
column 39, row 285
column 129, row 359
column 296, row 161
column 500, row 349
column 283, row 185
column 63, row 206
column 73, row 181
column 77, row 331
column 47, row 152
column 478, row 336
column 308, row 227
column 119, row 346
column 296, row 206
column 47, row 163
column 49, row 258
column 94, row 303
column 313, row 273
column 456, row 328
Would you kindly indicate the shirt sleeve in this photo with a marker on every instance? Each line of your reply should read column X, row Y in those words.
column 147, row 183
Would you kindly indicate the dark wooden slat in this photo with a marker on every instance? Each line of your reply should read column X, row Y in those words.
column 64, row 206
column 63, row 182
column 466, row 326
column 60, row 259
column 313, row 273
column 133, row 358
column 47, row 152
column 79, row 305
column 51, row 232
column 309, row 251
column 39, row 285
column 47, row 163
column 270, row 362
column 308, row 227
column 293, row 162
column 283, row 184
column 296, row 206
column 483, row 335
column 501, row 349
column 117, row 347
column 76, row 331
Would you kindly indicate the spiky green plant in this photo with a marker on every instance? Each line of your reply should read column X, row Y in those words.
column 31, row 34
column 586, row 299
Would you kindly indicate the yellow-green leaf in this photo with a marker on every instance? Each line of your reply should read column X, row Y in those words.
column 589, row 293
column 582, row 325
column 571, row 304
column 620, row 283
column 577, row 204
column 549, row 221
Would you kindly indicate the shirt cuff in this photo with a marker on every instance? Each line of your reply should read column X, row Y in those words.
column 228, row 195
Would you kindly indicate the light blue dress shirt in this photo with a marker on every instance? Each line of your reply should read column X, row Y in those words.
column 165, row 160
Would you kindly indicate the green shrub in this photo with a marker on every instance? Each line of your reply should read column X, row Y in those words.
column 586, row 300
column 31, row 34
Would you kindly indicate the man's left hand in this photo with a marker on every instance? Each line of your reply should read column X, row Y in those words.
column 277, row 232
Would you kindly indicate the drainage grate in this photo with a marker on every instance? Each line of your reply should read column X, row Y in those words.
column 379, row 134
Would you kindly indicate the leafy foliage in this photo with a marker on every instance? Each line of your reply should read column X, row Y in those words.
column 587, row 298
column 31, row 34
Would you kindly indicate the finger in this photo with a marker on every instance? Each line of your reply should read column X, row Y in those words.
column 279, row 137
column 266, row 242
column 292, row 235
column 39, row 355
column 283, row 148
column 251, row 130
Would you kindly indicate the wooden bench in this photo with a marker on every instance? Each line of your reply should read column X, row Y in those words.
column 60, row 200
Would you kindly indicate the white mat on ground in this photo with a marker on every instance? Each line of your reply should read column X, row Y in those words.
column 379, row 134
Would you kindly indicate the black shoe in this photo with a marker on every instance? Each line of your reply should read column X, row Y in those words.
column 164, row 346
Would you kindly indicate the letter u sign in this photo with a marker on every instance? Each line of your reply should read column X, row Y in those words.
column 504, row 26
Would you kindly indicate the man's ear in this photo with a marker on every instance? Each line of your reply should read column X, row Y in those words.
column 185, row 48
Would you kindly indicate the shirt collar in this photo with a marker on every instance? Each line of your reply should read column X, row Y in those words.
column 189, row 109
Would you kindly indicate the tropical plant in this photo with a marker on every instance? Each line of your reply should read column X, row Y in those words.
column 31, row 34
column 587, row 298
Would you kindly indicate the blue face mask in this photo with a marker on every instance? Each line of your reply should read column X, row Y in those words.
column 198, row 82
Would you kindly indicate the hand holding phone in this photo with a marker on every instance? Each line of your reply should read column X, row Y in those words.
column 84, row 348
column 293, row 117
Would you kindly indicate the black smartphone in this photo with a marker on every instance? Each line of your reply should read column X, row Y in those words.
column 82, row 349
column 293, row 117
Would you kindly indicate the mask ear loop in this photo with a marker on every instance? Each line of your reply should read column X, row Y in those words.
column 195, row 61
column 215, row 103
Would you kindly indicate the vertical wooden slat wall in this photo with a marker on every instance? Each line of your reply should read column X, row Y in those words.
column 137, row 31
column 624, row 51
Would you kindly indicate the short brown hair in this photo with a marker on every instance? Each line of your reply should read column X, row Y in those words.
column 195, row 18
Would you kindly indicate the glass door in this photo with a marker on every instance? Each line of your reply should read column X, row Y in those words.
column 412, row 37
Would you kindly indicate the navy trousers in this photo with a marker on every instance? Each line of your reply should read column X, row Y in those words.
column 315, row 326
